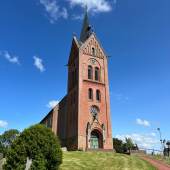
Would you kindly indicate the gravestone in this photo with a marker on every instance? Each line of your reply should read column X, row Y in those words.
column 28, row 164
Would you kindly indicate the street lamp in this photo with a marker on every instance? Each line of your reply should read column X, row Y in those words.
column 162, row 142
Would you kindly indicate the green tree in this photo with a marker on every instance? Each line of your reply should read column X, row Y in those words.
column 118, row 145
column 6, row 139
column 1, row 147
column 135, row 147
column 38, row 143
column 39, row 162
column 9, row 136
column 129, row 144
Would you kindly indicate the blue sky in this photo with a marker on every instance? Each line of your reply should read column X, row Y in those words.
column 35, row 40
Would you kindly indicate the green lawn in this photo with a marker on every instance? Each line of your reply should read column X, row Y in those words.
column 167, row 160
column 103, row 161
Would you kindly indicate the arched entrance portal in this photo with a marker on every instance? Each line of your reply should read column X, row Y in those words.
column 96, row 140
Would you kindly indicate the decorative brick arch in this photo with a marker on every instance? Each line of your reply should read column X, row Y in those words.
column 94, row 62
column 92, row 129
column 98, row 133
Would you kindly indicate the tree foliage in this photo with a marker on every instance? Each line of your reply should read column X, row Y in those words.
column 6, row 139
column 37, row 143
column 129, row 144
column 124, row 147
column 1, row 148
column 118, row 145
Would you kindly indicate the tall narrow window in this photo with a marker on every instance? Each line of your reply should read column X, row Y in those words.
column 49, row 122
column 93, row 52
column 96, row 73
column 90, row 72
column 98, row 95
column 90, row 94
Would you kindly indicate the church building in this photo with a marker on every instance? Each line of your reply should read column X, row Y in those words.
column 82, row 119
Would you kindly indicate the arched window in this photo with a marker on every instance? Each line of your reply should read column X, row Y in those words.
column 98, row 95
column 90, row 93
column 93, row 52
column 96, row 73
column 90, row 72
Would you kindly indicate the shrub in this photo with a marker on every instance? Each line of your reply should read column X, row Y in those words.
column 118, row 145
column 37, row 143
column 124, row 147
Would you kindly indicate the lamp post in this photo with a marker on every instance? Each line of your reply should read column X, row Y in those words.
column 160, row 135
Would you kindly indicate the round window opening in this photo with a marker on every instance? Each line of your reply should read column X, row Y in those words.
column 94, row 111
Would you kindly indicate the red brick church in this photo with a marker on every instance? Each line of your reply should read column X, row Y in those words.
column 82, row 120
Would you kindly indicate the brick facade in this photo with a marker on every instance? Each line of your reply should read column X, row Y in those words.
column 84, row 112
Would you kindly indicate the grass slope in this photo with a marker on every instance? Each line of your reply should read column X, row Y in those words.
column 103, row 161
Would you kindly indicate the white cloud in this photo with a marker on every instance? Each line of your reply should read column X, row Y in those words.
column 144, row 141
column 142, row 122
column 121, row 97
column 77, row 17
column 54, row 11
column 38, row 62
column 93, row 5
column 52, row 103
column 153, row 134
column 3, row 124
column 11, row 58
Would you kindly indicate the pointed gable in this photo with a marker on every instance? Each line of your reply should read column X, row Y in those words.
column 93, row 47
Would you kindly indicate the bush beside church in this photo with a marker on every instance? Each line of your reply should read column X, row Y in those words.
column 38, row 144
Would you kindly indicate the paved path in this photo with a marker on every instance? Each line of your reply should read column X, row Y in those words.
column 158, row 164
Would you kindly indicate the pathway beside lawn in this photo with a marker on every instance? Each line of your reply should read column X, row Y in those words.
column 158, row 164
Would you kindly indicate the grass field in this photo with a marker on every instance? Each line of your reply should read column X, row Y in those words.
column 103, row 161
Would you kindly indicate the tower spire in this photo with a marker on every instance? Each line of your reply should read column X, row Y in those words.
column 86, row 29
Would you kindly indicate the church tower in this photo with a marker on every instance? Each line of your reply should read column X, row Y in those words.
column 81, row 119
column 88, row 102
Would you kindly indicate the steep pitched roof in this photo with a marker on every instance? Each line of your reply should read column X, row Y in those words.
column 86, row 29
column 74, row 49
